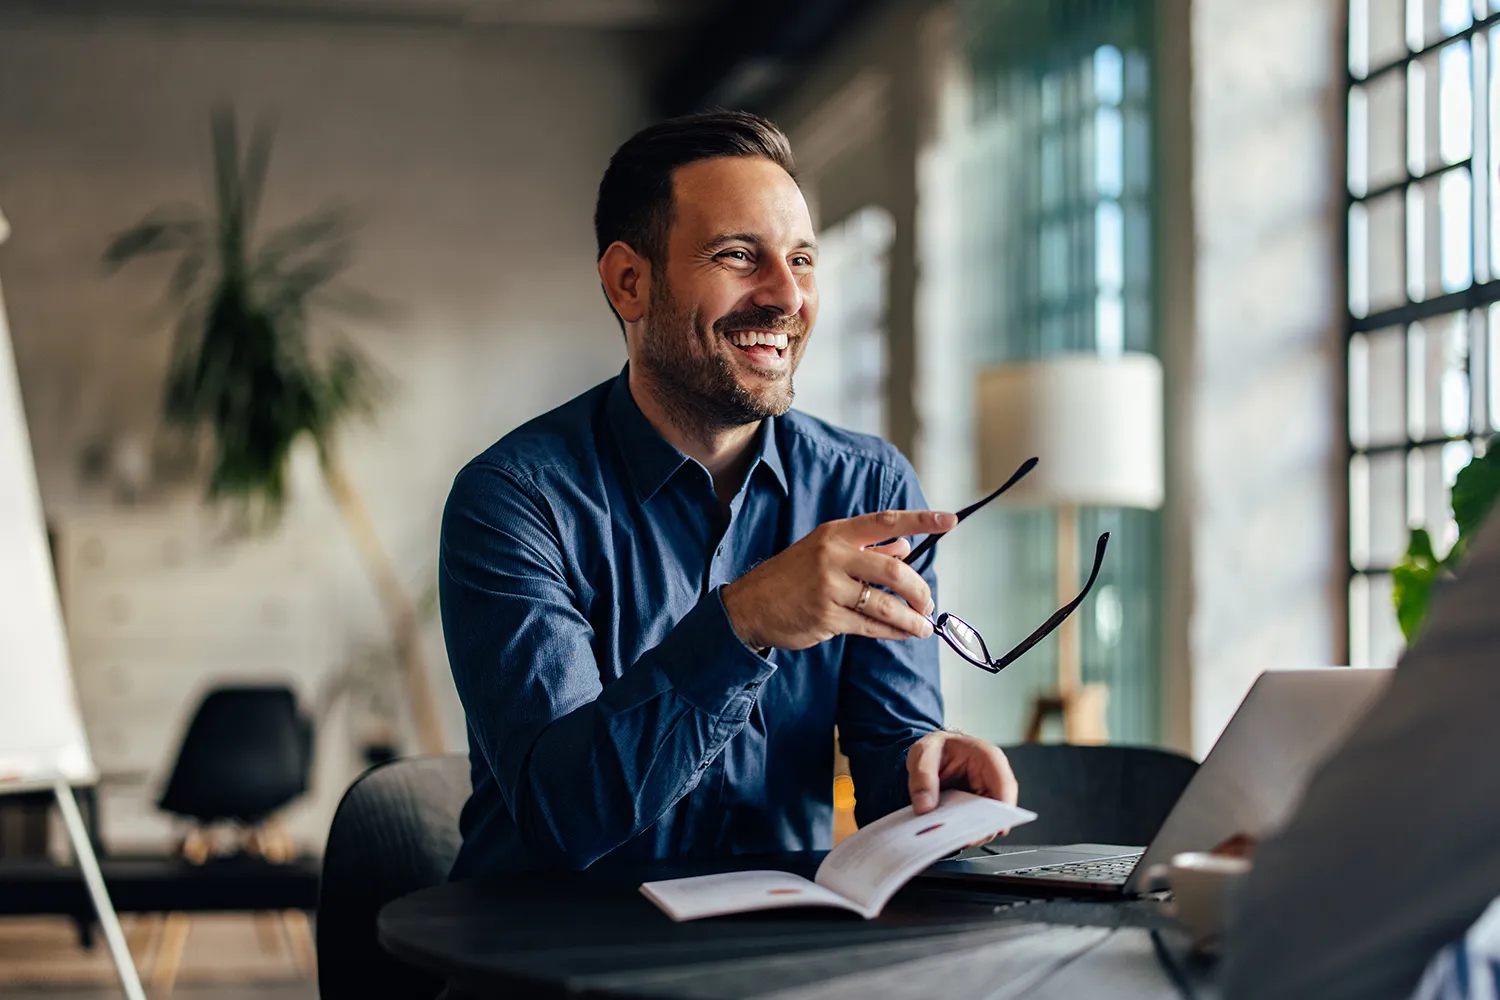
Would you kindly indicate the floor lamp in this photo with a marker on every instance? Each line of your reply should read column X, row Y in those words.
column 1096, row 425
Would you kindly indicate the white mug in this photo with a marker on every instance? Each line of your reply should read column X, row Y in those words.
column 1204, row 887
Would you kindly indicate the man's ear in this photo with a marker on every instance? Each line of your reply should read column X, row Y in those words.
column 626, row 277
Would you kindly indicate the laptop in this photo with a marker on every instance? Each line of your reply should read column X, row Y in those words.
column 1249, row 783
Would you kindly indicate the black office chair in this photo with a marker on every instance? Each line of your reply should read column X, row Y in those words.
column 395, row 831
column 245, row 755
column 1096, row 794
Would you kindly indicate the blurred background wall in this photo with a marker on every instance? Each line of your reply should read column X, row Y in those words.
column 473, row 152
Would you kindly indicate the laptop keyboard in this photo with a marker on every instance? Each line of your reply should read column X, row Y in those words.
column 1104, row 871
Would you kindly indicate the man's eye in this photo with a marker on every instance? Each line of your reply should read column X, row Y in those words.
column 801, row 260
column 736, row 254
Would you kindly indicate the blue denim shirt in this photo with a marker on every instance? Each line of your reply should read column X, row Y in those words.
column 612, row 712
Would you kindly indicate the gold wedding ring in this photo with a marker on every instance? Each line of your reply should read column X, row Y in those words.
column 864, row 598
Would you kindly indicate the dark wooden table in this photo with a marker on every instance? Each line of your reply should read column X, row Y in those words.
column 593, row 934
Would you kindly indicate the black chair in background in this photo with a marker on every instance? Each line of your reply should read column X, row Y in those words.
column 1096, row 794
column 395, row 831
column 246, row 755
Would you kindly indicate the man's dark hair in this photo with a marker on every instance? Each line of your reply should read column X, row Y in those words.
column 635, row 196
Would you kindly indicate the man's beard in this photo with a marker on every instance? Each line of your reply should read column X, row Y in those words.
column 699, row 390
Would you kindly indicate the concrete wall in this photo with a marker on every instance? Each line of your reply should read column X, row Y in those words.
column 476, row 154
column 1266, row 374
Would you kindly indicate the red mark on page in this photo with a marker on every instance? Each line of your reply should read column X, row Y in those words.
column 935, row 826
column 783, row 892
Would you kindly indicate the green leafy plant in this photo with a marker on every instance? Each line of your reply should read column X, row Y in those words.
column 1475, row 491
column 244, row 371
column 242, row 367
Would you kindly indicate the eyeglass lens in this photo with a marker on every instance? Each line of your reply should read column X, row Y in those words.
column 964, row 638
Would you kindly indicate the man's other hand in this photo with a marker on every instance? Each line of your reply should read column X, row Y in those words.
column 952, row 760
column 816, row 588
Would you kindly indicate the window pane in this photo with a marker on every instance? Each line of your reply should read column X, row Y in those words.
column 1109, row 75
column 1439, row 108
column 1433, row 20
column 1377, row 133
column 1051, row 170
column 1109, row 246
column 1492, row 350
column 1377, row 388
column 1137, row 152
column 1386, row 641
column 1478, row 365
column 1438, row 377
column 1109, row 153
column 1493, row 130
column 1374, row 637
column 1377, row 33
column 1431, row 472
column 1439, row 228
column 1455, row 109
column 1377, row 254
column 1377, row 509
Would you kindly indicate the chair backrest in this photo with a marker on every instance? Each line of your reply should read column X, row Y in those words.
column 1096, row 794
column 395, row 831
column 246, row 753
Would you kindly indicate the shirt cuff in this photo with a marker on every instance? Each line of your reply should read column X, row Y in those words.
column 708, row 665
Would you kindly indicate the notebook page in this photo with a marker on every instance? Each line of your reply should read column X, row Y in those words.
column 738, row 892
column 870, row 866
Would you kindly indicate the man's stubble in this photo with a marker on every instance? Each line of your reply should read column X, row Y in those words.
column 700, row 391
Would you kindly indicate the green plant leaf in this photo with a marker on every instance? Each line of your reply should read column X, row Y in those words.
column 243, row 370
column 1411, row 588
column 1476, row 489
column 334, row 224
column 1419, row 548
column 1412, row 580
column 157, row 233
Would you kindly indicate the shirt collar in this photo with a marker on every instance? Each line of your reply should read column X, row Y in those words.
column 651, row 459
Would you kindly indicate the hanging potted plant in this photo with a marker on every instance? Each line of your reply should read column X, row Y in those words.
column 244, row 373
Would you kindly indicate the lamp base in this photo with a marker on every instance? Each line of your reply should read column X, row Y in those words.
column 1082, row 711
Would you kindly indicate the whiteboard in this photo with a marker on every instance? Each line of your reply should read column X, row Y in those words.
column 41, row 730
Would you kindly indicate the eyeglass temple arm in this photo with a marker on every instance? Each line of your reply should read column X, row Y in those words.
column 931, row 540
column 1051, row 623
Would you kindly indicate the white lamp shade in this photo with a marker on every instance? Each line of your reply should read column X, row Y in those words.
column 1095, row 424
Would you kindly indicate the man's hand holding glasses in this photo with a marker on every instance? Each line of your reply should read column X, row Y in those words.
column 839, row 580
column 854, row 577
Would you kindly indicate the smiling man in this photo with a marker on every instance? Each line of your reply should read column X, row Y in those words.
column 660, row 598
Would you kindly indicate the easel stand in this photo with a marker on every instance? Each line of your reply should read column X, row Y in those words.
column 88, row 863
column 1081, row 706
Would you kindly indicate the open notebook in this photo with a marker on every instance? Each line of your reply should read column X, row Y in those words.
column 860, row 874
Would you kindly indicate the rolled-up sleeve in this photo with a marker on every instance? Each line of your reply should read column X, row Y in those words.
column 889, row 694
column 583, row 766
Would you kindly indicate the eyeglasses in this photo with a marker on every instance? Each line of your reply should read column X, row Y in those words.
column 965, row 640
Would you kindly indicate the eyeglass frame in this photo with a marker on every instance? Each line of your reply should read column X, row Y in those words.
column 940, row 622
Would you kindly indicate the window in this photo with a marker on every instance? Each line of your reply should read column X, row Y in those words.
column 1048, row 179
column 1424, row 305
column 843, row 380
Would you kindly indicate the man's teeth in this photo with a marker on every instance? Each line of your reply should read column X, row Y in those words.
column 749, row 338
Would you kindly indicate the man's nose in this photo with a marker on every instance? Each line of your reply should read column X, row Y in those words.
column 778, row 289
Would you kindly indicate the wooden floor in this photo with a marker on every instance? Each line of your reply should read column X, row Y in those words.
column 225, row 956
column 267, row 991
